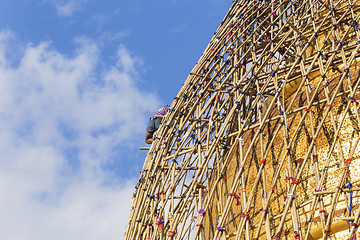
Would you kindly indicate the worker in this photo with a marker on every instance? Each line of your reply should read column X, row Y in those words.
column 154, row 123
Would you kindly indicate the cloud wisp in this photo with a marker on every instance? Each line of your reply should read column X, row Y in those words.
column 66, row 8
column 61, row 119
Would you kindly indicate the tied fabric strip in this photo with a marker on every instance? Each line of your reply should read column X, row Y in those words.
column 310, row 111
column 199, row 185
column 171, row 234
column 201, row 212
column 159, row 223
column 297, row 235
column 351, row 199
column 236, row 197
column 263, row 162
column 247, row 217
column 351, row 99
column 288, row 178
column 159, row 194
column 330, row 106
column 323, row 211
column 315, row 158
column 221, row 229
column 348, row 161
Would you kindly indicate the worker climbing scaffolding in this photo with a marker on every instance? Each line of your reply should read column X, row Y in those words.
column 155, row 122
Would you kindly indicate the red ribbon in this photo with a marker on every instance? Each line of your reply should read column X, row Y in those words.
column 236, row 197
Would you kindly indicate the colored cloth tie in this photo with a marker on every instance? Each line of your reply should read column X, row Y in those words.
column 263, row 161
column 159, row 194
column 297, row 235
column 199, row 185
column 330, row 106
column 171, row 234
column 221, row 229
column 348, row 161
column 338, row 187
column 159, row 222
column 201, row 212
column 236, row 197
column 311, row 111
column 263, row 195
column 217, row 98
column 351, row 99
column 354, row 225
column 295, row 181
column 247, row 217
column 351, row 199
column 288, row 178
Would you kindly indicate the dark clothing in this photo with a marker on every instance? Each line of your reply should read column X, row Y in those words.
column 153, row 125
column 154, row 122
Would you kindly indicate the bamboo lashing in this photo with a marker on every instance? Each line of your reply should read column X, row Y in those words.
column 262, row 140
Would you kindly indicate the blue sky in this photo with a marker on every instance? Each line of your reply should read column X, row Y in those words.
column 78, row 81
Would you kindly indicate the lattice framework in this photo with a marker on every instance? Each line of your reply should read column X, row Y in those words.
column 227, row 163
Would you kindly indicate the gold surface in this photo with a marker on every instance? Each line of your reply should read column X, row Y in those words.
column 307, row 185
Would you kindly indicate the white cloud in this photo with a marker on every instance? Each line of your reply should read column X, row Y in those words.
column 61, row 120
column 66, row 8
column 109, row 36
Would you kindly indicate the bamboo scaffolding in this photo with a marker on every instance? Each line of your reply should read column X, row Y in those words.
column 262, row 138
